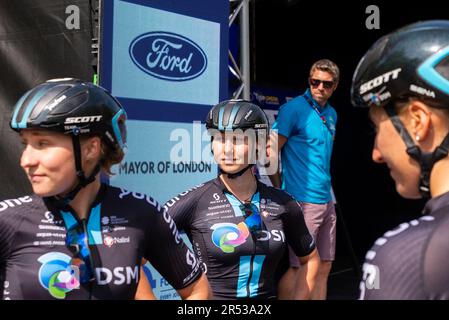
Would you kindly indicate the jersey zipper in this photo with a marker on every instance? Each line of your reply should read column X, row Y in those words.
column 251, row 267
column 250, row 275
column 83, row 222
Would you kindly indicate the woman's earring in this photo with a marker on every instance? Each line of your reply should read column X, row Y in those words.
column 417, row 138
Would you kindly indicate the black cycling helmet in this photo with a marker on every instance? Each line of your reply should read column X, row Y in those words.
column 230, row 115
column 73, row 107
column 412, row 62
column 237, row 114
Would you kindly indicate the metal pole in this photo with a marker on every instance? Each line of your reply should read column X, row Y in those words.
column 244, row 49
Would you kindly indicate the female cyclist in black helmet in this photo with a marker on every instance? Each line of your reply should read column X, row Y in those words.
column 77, row 238
column 404, row 80
column 239, row 227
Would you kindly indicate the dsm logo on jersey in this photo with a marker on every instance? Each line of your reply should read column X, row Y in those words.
column 168, row 56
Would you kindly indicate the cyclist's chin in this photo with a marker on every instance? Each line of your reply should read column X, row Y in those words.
column 49, row 190
column 232, row 167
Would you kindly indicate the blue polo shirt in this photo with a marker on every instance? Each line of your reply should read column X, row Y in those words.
column 307, row 153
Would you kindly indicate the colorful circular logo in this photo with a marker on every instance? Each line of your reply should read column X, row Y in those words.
column 57, row 275
column 228, row 236
column 108, row 241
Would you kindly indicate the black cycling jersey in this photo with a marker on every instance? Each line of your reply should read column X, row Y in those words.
column 240, row 263
column 411, row 261
column 122, row 228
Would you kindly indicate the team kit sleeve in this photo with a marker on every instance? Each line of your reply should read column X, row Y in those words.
column 182, row 207
column 296, row 231
column 9, row 224
column 168, row 253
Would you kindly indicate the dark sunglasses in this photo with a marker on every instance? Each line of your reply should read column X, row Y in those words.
column 78, row 243
column 252, row 217
column 317, row 82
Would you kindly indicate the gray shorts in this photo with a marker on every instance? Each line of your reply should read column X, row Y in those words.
column 321, row 220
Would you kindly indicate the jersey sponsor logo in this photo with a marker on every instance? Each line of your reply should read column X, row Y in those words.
column 371, row 273
column 378, row 81
column 370, row 279
column 169, row 220
column 110, row 241
column 172, row 201
column 276, row 235
column 108, row 229
column 216, row 196
column 140, row 196
column 228, row 236
column 190, row 259
column 86, row 119
column 50, row 218
column 398, row 230
column 49, row 243
column 6, row 291
column 50, row 235
column 113, row 220
column 51, row 227
column 117, row 276
column 11, row 203
column 57, row 275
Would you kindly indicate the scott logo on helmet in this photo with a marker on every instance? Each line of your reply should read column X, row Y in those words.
column 384, row 78
column 83, row 119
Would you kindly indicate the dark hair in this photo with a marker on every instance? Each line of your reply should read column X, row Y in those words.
column 328, row 66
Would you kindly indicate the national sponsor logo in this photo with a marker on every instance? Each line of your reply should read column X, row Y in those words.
column 168, row 56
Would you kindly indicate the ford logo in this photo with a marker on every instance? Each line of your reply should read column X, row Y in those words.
column 168, row 56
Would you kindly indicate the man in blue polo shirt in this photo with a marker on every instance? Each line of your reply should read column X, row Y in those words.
column 305, row 129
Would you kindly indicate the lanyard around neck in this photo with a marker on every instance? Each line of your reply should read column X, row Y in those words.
column 323, row 119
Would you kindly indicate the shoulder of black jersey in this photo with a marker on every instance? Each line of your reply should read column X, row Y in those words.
column 407, row 234
column 124, row 198
column 436, row 259
column 192, row 194
column 398, row 257
column 279, row 195
column 24, row 204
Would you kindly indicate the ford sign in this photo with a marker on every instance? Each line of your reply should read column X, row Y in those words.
column 168, row 56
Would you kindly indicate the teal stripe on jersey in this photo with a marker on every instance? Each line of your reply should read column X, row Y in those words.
column 257, row 269
column 244, row 269
column 93, row 226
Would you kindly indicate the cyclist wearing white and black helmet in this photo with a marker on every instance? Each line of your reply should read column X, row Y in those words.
column 76, row 238
column 239, row 227
column 404, row 80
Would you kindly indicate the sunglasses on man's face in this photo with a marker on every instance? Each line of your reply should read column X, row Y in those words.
column 77, row 241
column 317, row 82
column 252, row 217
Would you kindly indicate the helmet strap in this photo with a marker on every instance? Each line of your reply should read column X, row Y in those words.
column 426, row 160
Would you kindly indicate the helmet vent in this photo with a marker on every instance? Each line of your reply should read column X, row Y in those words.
column 443, row 68
column 71, row 104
